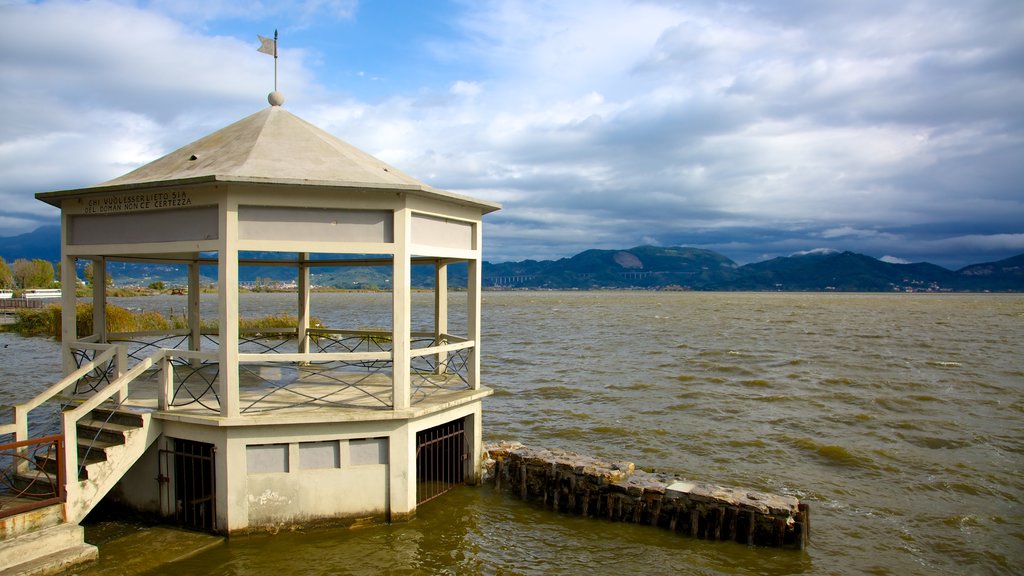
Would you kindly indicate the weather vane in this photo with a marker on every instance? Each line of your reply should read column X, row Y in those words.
column 269, row 46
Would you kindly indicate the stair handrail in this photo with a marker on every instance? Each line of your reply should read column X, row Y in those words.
column 20, row 425
column 119, row 387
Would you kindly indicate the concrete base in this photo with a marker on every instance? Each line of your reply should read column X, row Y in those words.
column 48, row 551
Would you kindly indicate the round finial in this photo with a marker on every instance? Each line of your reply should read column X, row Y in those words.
column 275, row 98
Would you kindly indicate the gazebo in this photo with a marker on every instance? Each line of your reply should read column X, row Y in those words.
column 233, row 430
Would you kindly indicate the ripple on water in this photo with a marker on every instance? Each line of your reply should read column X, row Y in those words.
column 556, row 392
column 832, row 454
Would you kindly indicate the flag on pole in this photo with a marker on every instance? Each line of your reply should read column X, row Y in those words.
column 267, row 46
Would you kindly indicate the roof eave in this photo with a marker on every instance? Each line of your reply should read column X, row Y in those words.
column 54, row 198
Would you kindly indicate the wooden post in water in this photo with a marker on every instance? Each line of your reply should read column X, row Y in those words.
column 522, row 481
column 733, row 513
column 805, row 521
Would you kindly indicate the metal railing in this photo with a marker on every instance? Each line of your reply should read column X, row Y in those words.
column 347, row 360
column 31, row 474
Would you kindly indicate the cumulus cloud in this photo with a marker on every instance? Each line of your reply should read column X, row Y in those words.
column 758, row 130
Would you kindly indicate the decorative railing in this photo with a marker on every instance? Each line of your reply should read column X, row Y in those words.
column 31, row 474
column 349, row 367
column 344, row 369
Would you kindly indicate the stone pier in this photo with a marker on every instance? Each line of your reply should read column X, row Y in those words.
column 577, row 484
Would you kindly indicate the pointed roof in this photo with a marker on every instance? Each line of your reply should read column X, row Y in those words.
column 272, row 146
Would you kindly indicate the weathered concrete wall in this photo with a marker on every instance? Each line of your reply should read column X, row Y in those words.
column 575, row 484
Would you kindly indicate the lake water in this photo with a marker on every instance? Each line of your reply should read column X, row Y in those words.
column 899, row 418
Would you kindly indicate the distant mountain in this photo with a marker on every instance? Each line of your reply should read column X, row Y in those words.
column 642, row 267
column 43, row 243
column 1005, row 274
column 841, row 271
column 652, row 267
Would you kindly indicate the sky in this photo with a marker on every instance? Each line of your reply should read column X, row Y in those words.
column 755, row 129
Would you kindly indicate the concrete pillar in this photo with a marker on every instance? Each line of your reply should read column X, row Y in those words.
column 474, row 302
column 227, row 308
column 303, row 306
column 195, row 321
column 441, row 311
column 68, row 285
column 475, row 437
column 401, row 315
column 402, row 474
column 99, row 298
column 232, row 484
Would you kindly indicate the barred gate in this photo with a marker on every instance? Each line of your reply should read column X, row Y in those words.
column 441, row 459
column 190, row 465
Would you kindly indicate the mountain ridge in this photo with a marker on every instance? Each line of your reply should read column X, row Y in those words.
column 641, row 267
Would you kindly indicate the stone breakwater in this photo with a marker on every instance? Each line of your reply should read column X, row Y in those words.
column 576, row 484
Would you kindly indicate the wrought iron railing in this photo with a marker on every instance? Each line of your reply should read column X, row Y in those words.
column 343, row 368
column 31, row 474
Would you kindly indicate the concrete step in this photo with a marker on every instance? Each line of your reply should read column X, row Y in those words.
column 35, row 483
column 113, row 432
column 122, row 416
column 46, row 551
column 38, row 519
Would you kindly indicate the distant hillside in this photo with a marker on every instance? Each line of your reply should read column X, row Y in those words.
column 43, row 243
column 642, row 267
column 841, row 271
column 652, row 267
column 1005, row 274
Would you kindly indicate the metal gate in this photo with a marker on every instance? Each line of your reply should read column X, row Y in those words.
column 189, row 468
column 441, row 459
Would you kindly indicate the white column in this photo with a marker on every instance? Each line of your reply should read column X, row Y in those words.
column 99, row 298
column 227, row 308
column 195, row 321
column 475, row 436
column 232, row 482
column 303, row 311
column 474, row 302
column 401, row 315
column 402, row 474
column 441, row 311
column 68, row 300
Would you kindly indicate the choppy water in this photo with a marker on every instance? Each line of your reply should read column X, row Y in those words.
column 900, row 418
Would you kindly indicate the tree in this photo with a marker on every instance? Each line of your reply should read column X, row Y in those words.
column 33, row 273
column 90, row 271
column 6, row 277
column 44, row 273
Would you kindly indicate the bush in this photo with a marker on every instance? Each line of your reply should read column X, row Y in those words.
column 47, row 321
column 38, row 321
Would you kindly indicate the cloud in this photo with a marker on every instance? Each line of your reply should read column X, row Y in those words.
column 894, row 260
column 757, row 130
column 814, row 251
column 132, row 85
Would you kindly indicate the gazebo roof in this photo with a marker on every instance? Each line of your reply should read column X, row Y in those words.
column 272, row 146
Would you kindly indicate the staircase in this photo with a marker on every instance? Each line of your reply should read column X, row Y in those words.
column 49, row 540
